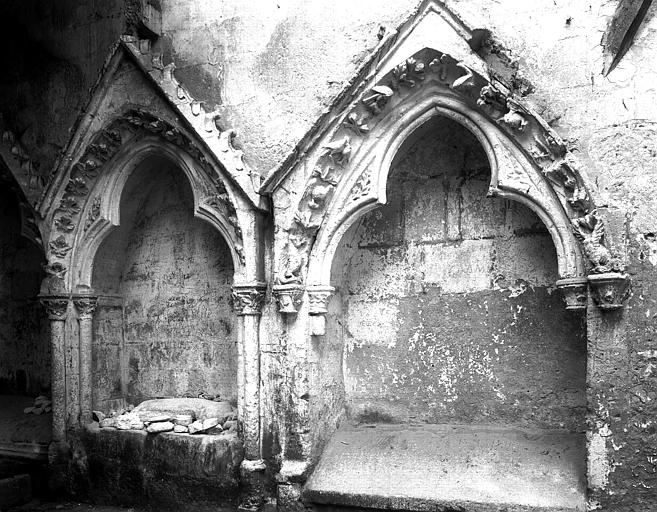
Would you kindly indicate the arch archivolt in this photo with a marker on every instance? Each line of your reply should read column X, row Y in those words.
column 89, row 202
column 350, row 165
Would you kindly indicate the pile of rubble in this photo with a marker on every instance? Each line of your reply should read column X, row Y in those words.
column 179, row 415
column 42, row 405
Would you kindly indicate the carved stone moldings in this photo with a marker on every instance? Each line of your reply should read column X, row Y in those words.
column 575, row 292
column 349, row 131
column 86, row 305
column 609, row 289
column 56, row 307
column 288, row 297
column 206, row 123
column 24, row 170
column 248, row 299
column 590, row 231
column 133, row 125
column 318, row 299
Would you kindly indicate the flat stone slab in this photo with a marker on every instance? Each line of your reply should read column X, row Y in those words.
column 200, row 408
column 423, row 468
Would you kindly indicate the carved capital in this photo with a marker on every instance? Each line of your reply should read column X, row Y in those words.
column 248, row 298
column 610, row 290
column 56, row 306
column 86, row 305
column 574, row 291
column 288, row 297
column 318, row 299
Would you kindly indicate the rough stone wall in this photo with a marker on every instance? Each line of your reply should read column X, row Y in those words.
column 273, row 67
column 24, row 335
column 450, row 310
column 173, row 326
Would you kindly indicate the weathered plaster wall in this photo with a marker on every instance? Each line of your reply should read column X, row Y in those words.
column 451, row 315
column 24, row 334
column 173, row 329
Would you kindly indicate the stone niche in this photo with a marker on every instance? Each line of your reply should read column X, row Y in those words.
column 456, row 354
column 163, row 326
column 24, row 335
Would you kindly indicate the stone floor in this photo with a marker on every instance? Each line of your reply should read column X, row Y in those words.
column 72, row 506
column 68, row 506
column 474, row 468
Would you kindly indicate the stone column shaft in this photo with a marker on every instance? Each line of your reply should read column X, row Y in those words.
column 251, row 421
column 57, row 308
column 85, row 307
column 248, row 300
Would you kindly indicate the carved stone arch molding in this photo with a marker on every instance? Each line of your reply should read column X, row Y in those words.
column 87, row 207
column 345, row 163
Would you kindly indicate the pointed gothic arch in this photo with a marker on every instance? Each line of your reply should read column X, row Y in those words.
column 88, row 203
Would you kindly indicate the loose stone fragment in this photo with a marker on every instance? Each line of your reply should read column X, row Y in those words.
column 195, row 427
column 183, row 419
column 209, row 423
column 180, row 429
column 160, row 426
column 153, row 417
column 107, row 422
column 28, row 410
column 98, row 416
column 129, row 421
column 230, row 424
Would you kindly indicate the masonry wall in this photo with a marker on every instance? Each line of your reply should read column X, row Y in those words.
column 273, row 67
column 450, row 310
column 165, row 326
column 24, row 334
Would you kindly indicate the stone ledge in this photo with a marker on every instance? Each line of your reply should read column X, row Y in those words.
column 460, row 467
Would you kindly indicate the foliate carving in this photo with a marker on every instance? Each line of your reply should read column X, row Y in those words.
column 356, row 124
column 69, row 205
column 204, row 122
column 64, row 223
column 492, row 100
column 86, row 305
column 562, row 173
column 55, row 269
column 465, row 81
column 409, row 73
column 574, row 291
column 248, row 299
column 59, row 247
column 104, row 146
column 590, row 231
column 515, row 117
column 377, row 99
column 288, row 297
column 363, row 186
column 94, row 213
column 610, row 290
column 318, row 299
column 77, row 187
column 426, row 67
column 339, row 151
column 56, row 307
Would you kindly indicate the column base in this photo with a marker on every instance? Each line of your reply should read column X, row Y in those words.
column 254, row 489
column 58, row 464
